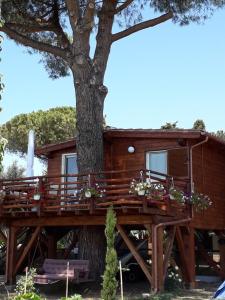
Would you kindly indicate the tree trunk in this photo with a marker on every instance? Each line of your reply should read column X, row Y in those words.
column 92, row 246
column 89, row 144
column 88, row 77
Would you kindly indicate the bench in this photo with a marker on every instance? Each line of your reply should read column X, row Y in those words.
column 57, row 269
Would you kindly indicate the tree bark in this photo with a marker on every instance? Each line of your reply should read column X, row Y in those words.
column 92, row 246
column 89, row 145
column 88, row 77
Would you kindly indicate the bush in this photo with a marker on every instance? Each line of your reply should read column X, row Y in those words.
column 109, row 285
column 173, row 280
column 162, row 297
column 26, row 286
column 27, row 296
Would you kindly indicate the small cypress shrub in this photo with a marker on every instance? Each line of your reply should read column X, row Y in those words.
column 110, row 284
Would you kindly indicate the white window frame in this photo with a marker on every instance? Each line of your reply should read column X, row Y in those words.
column 147, row 155
column 63, row 163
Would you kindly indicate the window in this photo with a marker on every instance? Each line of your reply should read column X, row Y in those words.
column 157, row 161
column 69, row 166
column 69, row 163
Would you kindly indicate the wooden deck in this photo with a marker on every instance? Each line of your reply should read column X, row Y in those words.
column 60, row 196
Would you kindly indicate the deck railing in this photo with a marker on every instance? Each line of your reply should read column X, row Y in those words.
column 65, row 194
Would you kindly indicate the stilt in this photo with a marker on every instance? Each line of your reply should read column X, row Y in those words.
column 26, row 249
column 52, row 246
column 186, row 246
column 157, row 259
column 135, row 253
column 11, row 256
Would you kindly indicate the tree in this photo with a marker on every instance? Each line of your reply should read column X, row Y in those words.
column 61, row 31
column 199, row 124
column 220, row 134
column 50, row 126
column 13, row 171
column 109, row 285
column 170, row 125
column 3, row 141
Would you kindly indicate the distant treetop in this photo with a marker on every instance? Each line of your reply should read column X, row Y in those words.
column 50, row 126
column 199, row 124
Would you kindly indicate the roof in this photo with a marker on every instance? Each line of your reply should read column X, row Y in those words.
column 110, row 132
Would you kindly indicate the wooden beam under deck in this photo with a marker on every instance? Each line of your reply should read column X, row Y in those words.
column 77, row 220
column 135, row 253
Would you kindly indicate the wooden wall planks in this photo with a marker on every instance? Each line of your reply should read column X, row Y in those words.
column 208, row 169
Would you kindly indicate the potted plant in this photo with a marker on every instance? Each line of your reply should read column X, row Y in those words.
column 89, row 192
column 200, row 201
column 177, row 195
column 157, row 191
column 140, row 188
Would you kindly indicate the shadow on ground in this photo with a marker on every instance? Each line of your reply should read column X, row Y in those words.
column 132, row 291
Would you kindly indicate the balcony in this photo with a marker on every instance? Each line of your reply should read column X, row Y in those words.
column 61, row 195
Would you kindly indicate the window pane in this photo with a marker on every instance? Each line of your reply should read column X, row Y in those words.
column 157, row 161
column 70, row 167
column 71, row 164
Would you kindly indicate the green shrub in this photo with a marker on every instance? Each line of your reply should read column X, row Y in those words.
column 74, row 297
column 26, row 286
column 162, row 297
column 173, row 280
column 27, row 296
column 109, row 285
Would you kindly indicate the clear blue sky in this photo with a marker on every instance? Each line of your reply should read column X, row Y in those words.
column 167, row 73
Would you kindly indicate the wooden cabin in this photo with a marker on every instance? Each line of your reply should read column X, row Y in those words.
column 190, row 160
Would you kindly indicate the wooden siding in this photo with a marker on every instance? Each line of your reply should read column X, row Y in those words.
column 209, row 178
column 208, row 169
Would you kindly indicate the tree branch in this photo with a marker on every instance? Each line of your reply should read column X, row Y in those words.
column 25, row 28
column 123, row 6
column 73, row 12
column 141, row 26
column 26, row 41
column 62, row 37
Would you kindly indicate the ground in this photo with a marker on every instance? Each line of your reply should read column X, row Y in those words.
column 132, row 291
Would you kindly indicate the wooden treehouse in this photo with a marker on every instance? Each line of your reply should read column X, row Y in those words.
column 41, row 210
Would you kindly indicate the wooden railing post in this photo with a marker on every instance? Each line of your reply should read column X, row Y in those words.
column 91, row 180
column 41, row 190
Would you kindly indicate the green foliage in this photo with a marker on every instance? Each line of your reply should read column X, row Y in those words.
column 3, row 143
column 13, row 171
column 220, row 134
column 27, row 296
column 170, row 125
column 51, row 126
column 26, row 285
column 199, row 125
column 173, row 280
column 2, row 140
column 23, row 17
column 74, row 297
column 110, row 284
column 164, row 296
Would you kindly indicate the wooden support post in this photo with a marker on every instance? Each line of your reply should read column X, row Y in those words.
column 157, row 259
column 222, row 257
column 11, row 255
column 189, row 246
column 26, row 250
column 168, row 249
column 135, row 253
column 186, row 246
column 52, row 246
